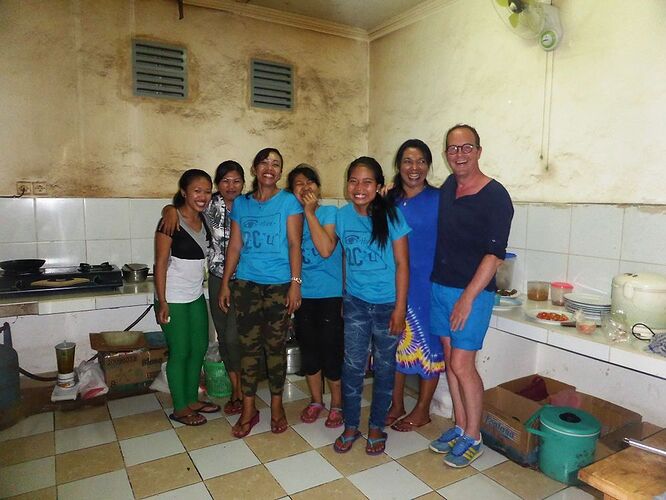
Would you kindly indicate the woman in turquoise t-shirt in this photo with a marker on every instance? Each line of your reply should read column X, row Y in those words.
column 318, row 322
column 373, row 234
column 265, row 253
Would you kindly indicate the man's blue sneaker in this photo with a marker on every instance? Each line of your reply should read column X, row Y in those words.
column 464, row 452
column 445, row 442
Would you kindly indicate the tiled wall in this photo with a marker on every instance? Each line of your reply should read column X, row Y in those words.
column 584, row 244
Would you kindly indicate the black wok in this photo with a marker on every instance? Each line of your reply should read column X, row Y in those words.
column 22, row 265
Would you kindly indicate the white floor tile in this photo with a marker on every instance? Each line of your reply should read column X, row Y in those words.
column 400, row 444
column 209, row 416
column 223, row 458
column 131, row 406
column 291, row 393
column 151, row 447
column 389, row 481
column 84, row 436
column 27, row 476
column 110, row 486
column 35, row 424
column 295, row 378
column 196, row 491
column 571, row 493
column 264, row 424
column 480, row 485
column 489, row 458
column 410, row 403
column 319, row 471
column 317, row 434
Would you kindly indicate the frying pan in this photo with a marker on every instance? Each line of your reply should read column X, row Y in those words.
column 22, row 265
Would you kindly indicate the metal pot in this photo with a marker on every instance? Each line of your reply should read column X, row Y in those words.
column 22, row 265
column 135, row 273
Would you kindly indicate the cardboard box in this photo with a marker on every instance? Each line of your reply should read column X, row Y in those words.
column 552, row 386
column 616, row 422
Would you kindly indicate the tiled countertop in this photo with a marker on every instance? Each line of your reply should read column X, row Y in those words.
column 629, row 354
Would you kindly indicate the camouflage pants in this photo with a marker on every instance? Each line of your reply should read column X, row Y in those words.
column 262, row 322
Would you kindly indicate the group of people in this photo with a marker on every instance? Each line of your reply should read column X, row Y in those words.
column 402, row 277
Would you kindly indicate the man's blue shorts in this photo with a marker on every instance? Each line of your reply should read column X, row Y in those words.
column 470, row 338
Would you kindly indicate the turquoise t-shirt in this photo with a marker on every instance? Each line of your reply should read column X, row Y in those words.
column 322, row 278
column 264, row 258
column 369, row 269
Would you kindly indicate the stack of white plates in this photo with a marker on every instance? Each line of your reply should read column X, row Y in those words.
column 593, row 306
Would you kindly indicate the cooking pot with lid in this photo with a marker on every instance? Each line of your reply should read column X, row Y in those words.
column 135, row 273
column 642, row 298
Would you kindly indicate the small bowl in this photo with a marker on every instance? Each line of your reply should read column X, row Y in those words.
column 586, row 326
column 117, row 339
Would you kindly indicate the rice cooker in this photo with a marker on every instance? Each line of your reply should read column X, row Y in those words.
column 642, row 298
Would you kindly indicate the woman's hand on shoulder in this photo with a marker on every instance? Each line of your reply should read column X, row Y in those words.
column 293, row 299
column 169, row 224
column 397, row 323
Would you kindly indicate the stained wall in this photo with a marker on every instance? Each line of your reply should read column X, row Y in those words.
column 69, row 117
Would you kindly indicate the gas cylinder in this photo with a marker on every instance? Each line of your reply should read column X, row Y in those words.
column 10, row 390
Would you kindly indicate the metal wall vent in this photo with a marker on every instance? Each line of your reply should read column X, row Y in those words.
column 272, row 85
column 159, row 70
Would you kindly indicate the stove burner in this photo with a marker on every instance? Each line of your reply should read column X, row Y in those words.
column 84, row 267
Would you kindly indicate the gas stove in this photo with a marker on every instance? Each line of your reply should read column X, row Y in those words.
column 61, row 279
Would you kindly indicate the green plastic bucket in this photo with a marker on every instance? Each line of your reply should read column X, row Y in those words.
column 218, row 384
column 568, row 440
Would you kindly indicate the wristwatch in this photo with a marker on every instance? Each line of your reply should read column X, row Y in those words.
column 296, row 279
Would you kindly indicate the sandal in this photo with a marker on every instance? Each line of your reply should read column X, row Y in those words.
column 192, row 419
column 279, row 425
column 405, row 425
column 376, row 446
column 233, row 407
column 344, row 443
column 311, row 412
column 206, row 407
column 390, row 419
column 242, row 429
column 335, row 418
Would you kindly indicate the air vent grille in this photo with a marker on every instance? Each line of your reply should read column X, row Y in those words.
column 159, row 70
column 272, row 85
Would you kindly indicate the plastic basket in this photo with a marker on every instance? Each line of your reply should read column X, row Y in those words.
column 218, row 384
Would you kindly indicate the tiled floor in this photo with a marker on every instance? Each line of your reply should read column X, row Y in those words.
column 130, row 449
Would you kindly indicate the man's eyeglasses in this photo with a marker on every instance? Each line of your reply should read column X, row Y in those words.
column 465, row 149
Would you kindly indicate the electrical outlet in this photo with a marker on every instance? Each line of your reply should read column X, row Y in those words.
column 23, row 188
column 39, row 188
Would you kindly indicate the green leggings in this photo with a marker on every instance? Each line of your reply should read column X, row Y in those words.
column 187, row 337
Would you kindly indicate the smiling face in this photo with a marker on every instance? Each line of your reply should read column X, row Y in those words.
column 268, row 170
column 230, row 186
column 413, row 169
column 362, row 187
column 302, row 185
column 197, row 194
column 463, row 165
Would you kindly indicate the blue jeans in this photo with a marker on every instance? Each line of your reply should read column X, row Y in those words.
column 366, row 327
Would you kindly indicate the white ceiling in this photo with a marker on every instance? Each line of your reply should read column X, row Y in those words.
column 366, row 14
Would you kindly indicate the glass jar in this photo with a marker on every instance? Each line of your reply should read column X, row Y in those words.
column 557, row 291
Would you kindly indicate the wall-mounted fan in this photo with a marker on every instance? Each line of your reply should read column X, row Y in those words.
column 532, row 19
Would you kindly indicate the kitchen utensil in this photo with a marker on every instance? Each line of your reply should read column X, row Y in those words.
column 507, row 303
column 135, row 273
column 532, row 313
column 592, row 305
column 537, row 290
column 65, row 359
column 22, row 265
column 121, row 338
column 642, row 446
column 642, row 297
column 557, row 291
column 568, row 440
column 505, row 272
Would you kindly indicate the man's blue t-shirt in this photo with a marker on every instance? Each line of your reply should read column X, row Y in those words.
column 322, row 278
column 264, row 258
column 369, row 269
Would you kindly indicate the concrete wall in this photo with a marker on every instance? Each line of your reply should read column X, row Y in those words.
column 69, row 117
column 582, row 124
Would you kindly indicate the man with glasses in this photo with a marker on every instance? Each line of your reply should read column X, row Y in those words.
column 475, row 215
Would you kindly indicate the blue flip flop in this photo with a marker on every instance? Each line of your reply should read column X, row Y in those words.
column 372, row 442
column 345, row 442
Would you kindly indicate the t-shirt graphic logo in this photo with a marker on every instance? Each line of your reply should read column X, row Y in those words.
column 261, row 234
column 359, row 253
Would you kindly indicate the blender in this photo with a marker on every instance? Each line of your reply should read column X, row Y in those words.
column 66, row 386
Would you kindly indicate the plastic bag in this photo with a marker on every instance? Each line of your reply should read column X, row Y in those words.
column 91, row 380
column 213, row 353
column 161, row 383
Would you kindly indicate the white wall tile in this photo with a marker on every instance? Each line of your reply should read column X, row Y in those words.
column 12, row 251
column 59, row 219
column 17, row 220
column 107, row 219
column 62, row 253
column 590, row 274
column 644, row 235
column 518, row 234
column 144, row 215
column 116, row 252
column 596, row 230
column 545, row 266
column 548, row 228
column 143, row 251
column 641, row 267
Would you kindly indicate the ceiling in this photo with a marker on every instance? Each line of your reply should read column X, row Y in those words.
column 365, row 14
